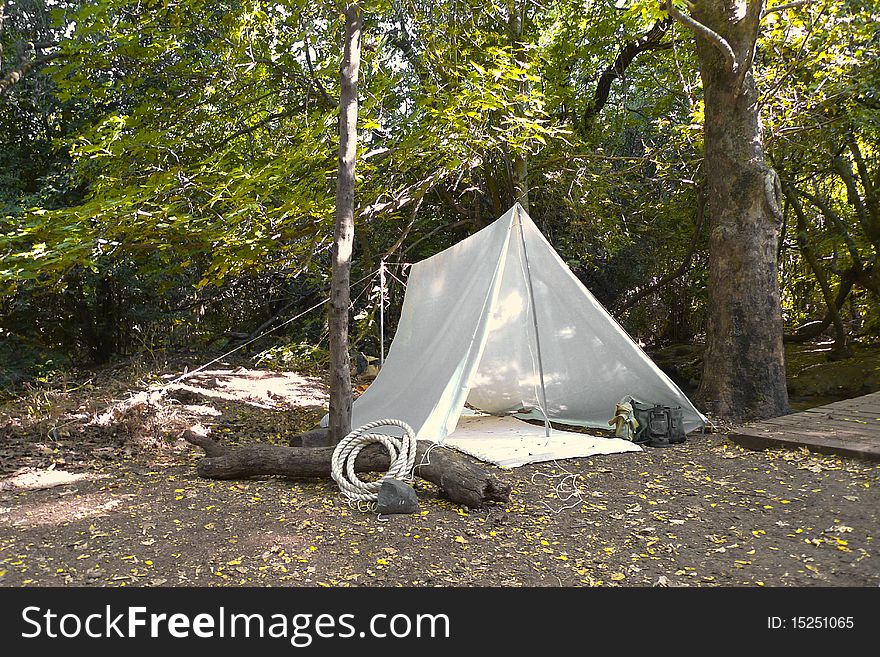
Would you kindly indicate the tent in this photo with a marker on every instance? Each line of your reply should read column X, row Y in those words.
column 499, row 323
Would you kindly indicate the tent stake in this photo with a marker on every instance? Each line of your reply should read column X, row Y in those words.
column 522, row 235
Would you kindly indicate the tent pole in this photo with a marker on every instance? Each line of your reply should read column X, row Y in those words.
column 522, row 235
column 381, row 313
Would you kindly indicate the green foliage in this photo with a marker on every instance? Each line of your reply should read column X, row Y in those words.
column 169, row 177
column 300, row 357
column 820, row 84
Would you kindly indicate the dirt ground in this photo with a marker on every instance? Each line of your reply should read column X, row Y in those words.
column 111, row 498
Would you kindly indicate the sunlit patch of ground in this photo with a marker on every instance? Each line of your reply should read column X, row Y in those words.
column 258, row 387
column 29, row 479
column 69, row 509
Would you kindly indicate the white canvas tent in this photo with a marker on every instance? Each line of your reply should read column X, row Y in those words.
column 499, row 322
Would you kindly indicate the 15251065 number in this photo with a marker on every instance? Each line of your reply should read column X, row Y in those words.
column 821, row 622
column 810, row 623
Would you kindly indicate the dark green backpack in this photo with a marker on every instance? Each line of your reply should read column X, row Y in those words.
column 659, row 425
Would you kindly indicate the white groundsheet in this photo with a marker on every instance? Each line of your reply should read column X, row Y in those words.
column 510, row 443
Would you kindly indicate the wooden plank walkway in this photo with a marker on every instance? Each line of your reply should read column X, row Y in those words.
column 850, row 427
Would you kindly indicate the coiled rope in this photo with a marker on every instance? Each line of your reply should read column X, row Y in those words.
column 402, row 451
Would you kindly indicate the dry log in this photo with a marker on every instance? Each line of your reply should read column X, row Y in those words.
column 461, row 479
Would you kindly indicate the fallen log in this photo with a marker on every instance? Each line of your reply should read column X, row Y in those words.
column 459, row 478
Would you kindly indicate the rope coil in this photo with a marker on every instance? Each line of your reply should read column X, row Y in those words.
column 402, row 451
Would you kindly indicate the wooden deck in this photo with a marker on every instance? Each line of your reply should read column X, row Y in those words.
column 850, row 427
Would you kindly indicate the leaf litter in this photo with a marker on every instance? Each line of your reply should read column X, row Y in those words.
column 125, row 507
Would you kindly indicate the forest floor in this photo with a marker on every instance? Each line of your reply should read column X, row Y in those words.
column 96, row 492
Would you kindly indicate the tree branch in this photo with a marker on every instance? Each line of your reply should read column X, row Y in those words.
column 649, row 41
column 403, row 41
column 2, row 20
column 872, row 202
column 453, row 202
column 870, row 226
column 787, row 5
column 710, row 35
column 400, row 198
column 16, row 75
column 311, row 86
column 315, row 79
column 254, row 126
column 813, row 330
column 685, row 263
column 405, row 233
column 803, row 239
column 430, row 234
column 839, row 223
column 42, row 45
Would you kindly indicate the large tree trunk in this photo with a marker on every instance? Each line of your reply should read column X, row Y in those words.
column 343, row 238
column 458, row 477
column 744, row 371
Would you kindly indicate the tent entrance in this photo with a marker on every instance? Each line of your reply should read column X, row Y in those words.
column 534, row 317
column 510, row 376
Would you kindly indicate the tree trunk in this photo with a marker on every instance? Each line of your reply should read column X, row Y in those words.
column 841, row 349
column 521, row 180
column 458, row 477
column 520, row 164
column 343, row 238
column 744, row 370
column 870, row 221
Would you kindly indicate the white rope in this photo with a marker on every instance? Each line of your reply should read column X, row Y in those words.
column 402, row 451
column 188, row 374
column 426, row 457
column 161, row 390
column 566, row 489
